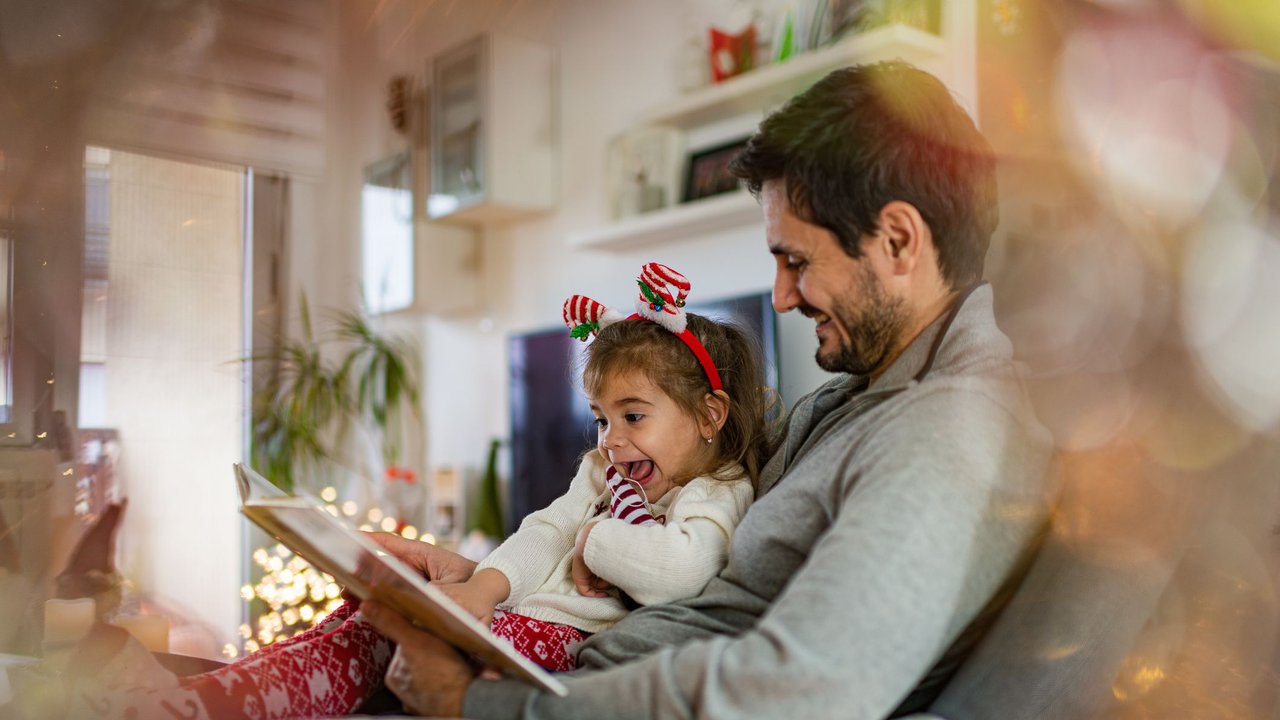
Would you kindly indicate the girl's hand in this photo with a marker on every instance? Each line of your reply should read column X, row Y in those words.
column 471, row 600
column 588, row 583
column 480, row 594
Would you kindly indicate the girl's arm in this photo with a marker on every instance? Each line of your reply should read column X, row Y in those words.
column 480, row 594
column 527, row 558
column 662, row 563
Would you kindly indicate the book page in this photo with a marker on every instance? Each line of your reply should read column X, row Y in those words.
column 338, row 548
column 253, row 486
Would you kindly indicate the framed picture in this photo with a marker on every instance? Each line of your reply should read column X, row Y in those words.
column 644, row 170
column 707, row 173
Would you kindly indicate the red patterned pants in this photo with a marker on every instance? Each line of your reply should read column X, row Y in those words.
column 328, row 671
column 550, row 645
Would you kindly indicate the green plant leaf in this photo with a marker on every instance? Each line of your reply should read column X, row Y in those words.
column 309, row 403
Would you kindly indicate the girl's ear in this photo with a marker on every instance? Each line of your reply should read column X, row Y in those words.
column 715, row 406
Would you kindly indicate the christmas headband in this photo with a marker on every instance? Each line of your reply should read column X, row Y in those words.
column 661, row 300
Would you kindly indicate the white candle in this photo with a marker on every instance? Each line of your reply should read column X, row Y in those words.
column 66, row 621
column 150, row 630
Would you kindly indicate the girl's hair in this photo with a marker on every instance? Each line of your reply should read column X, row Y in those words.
column 637, row 345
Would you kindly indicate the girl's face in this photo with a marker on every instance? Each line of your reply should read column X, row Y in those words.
column 646, row 436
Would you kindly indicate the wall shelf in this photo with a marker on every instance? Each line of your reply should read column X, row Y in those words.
column 722, row 212
column 753, row 92
column 772, row 85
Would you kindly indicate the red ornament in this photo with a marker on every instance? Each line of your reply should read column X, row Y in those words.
column 732, row 54
column 395, row 472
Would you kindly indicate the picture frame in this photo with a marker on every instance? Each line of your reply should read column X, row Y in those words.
column 644, row 170
column 707, row 171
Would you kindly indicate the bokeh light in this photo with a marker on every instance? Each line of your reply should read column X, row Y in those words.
column 1138, row 274
column 295, row 595
column 1229, row 302
column 1158, row 132
column 1249, row 25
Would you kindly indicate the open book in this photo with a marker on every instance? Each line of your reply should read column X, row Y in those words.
column 336, row 547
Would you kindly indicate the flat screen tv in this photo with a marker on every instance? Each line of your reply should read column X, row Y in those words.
column 551, row 424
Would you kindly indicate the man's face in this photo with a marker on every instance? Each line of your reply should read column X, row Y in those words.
column 858, row 323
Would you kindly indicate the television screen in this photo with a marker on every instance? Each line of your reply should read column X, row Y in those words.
column 551, row 423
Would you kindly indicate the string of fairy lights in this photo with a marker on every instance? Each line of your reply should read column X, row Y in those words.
column 296, row 595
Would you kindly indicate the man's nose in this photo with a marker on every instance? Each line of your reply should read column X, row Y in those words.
column 786, row 296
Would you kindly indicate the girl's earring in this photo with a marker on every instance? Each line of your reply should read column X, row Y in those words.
column 708, row 440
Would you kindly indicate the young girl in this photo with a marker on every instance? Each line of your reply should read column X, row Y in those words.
column 679, row 406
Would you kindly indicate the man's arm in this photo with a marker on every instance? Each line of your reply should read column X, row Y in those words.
column 924, row 534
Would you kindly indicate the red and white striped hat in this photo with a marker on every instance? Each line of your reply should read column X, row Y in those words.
column 662, row 294
column 661, row 300
column 584, row 315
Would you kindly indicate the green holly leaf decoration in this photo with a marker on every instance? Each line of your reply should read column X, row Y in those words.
column 582, row 331
column 650, row 295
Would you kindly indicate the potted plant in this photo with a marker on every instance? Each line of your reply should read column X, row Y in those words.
column 320, row 390
column 302, row 416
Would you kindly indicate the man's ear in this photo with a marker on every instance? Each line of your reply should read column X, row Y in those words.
column 903, row 235
column 715, row 411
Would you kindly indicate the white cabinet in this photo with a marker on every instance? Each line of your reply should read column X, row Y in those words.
column 492, row 129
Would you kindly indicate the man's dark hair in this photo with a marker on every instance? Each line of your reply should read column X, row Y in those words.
column 868, row 135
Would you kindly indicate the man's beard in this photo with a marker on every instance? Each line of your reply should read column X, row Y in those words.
column 875, row 323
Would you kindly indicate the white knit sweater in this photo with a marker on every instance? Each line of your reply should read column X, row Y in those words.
column 654, row 564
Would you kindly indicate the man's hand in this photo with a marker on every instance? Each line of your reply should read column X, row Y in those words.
column 436, row 564
column 586, row 581
column 428, row 675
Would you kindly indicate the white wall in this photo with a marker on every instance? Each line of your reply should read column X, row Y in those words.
column 616, row 60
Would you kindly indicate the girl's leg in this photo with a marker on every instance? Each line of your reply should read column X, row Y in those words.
column 327, row 675
column 332, row 674
column 550, row 645
column 331, row 622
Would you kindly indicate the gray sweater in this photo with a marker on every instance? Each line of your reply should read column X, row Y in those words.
column 886, row 526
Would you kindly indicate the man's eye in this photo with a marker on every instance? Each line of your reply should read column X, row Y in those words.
column 794, row 263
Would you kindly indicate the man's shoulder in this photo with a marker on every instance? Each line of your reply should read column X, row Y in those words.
column 990, row 386
column 979, row 406
column 954, row 421
column 995, row 396
column 840, row 382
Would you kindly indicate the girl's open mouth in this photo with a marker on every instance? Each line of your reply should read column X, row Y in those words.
column 639, row 470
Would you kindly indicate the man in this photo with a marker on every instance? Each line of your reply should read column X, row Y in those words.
column 904, row 495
